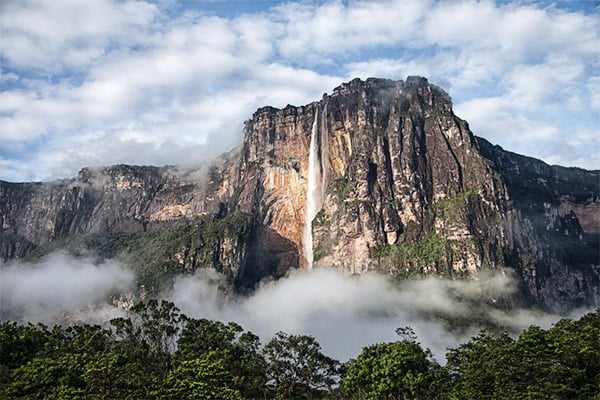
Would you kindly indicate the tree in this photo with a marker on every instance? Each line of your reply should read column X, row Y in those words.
column 397, row 370
column 473, row 366
column 59, row 369
column 560, row 363
column 575, row 346
column 296, row 367
column 202, row 377
column 20, row 343
column 149, row 334
column 236, row 351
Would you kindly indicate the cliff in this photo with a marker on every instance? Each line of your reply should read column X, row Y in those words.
column 378, row 175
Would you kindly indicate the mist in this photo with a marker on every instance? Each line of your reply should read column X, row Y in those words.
column 62, row 289
column 345, row 313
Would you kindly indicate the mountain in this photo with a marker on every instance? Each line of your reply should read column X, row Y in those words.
column 378, row 175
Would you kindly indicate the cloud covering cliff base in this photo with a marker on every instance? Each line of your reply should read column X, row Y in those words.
column 346, row 313
column 343, row 312
column 60, row 288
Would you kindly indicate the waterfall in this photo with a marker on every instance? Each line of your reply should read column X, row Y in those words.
column 313, row 195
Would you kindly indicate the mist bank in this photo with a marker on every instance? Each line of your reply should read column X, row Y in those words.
column 343, row 312
column 62, row 289
column 347, row 312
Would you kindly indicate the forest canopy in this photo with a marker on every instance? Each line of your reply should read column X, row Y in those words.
column 156, row 352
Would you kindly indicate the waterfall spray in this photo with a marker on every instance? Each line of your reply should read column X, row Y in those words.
column 313, row 196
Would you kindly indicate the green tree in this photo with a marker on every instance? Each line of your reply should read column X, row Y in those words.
column 297, row 369
column 473, row 366
column 149, row 334
column 560, row 363
column 397, row 370
column 203, row 377
column 48, row 378
column 236, row 350
column 575, row 346
column 58, row 370
column 20, row 343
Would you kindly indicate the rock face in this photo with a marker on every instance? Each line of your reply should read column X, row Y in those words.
column 398, row 183
column 118, row 198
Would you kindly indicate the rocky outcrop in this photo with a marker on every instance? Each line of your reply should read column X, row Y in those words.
column 552, row 225
column 399, row 185
column 407, row 189
column 119, row 198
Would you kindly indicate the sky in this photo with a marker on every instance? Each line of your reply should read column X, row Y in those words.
column 100, row 82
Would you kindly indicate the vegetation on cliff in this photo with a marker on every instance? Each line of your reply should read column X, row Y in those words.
column 158, row 256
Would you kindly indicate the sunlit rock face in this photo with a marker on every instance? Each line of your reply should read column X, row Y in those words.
column 396, row 166
column 408, row 189
column 399, row 185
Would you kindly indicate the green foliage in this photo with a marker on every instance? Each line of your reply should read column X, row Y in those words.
column 398, row 370
column 323, row 248
column 237, row 353
column 560, row 363
column 296, row 367
column 429, row 250
column 149, row 335
column 342, row 188
column 473, row 365
column 203, row 377
column 213, row 360
column 321, row 219
column 20, row 343
column 454, row 205
column 77, row 362
column 157, row 256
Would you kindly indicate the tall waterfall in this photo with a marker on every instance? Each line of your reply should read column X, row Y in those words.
column 314, row 194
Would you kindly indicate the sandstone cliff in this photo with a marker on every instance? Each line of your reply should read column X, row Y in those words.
column 378, row 175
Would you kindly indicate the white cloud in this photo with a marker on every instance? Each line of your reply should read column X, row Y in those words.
column 556, row 82
column 52, row 35
column 60, row 287
column 150, row 77
column 593, row 87
column 334, row 27
column 389, row 68
column 345, row 313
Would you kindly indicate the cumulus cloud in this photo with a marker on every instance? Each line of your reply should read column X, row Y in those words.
column 346, row 313
column 143, row 76
column 51, row 36
column 60, row 288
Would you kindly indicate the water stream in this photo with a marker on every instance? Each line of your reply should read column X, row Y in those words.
column 314, row 195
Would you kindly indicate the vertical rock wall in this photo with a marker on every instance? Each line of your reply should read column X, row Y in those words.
column 407, row 191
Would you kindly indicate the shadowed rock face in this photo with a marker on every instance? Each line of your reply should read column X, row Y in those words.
column 405, row 189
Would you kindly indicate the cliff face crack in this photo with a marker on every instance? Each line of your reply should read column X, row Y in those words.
column 324, row 147
column 453, row 154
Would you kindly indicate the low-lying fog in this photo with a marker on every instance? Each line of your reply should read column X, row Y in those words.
column 344, row 313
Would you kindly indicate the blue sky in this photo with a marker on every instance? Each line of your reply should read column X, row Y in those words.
column 99, row 82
